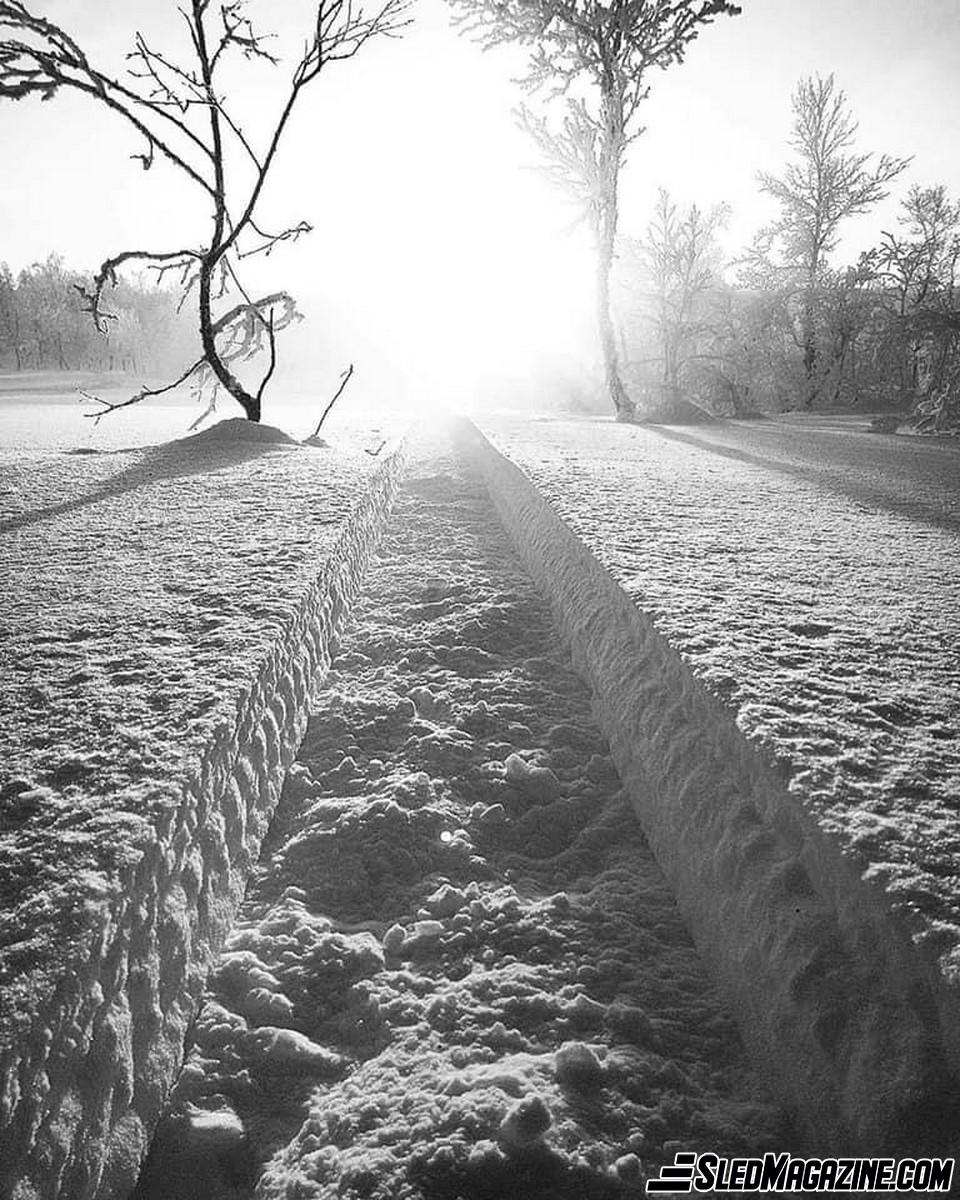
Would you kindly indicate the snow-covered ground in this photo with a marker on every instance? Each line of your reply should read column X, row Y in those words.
column 828, row 627
column 459, row 971
column 49, row 421
column 908, row 474
column 165, row 611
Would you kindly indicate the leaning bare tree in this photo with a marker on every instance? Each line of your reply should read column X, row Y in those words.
column 595, row 57
column 183, row 113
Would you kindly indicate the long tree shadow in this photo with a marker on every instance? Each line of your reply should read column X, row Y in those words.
column 198, row 455
column 833, row 479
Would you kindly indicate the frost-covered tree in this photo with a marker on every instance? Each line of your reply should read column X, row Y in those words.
column 827, row 182
column 10, row 337
column 185, row 112
column 682, row 259
column 919, row 261
column 591, row 61
column 918, row 270
column 49, row 316
column 42, row 325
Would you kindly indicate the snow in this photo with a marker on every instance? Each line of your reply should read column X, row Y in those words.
column 51, row 414
column 457, row 917
column 463, row 964
column 804, row 741
column 165, row 613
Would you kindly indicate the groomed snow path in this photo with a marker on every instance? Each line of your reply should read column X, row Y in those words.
column 775, row 662
column 458, row 971
column 164, row 616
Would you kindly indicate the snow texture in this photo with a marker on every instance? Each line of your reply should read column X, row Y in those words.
column 166, row 613
column 776, row 669
column 458, row 971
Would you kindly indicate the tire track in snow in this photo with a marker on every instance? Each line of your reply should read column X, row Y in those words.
column 458, row 972
column 811, row 856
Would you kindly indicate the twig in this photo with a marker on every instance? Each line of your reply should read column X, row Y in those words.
column 344, row 380
column 109, row 407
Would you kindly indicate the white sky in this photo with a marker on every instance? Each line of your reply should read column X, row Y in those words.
column 440, row 262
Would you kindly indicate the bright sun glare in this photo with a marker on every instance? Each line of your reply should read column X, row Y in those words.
column 442, row 254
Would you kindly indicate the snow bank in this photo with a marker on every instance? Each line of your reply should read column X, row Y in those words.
column 458, row 970
column 166, row 614
column 838, row 989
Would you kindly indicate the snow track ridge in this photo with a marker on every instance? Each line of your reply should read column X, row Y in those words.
column 84, row 1081
column 847, row 1022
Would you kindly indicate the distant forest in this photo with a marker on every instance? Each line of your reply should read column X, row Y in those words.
column 43, row 324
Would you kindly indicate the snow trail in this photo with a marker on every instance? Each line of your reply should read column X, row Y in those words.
column 811, row 836
column 458, row 971
column 827, row 626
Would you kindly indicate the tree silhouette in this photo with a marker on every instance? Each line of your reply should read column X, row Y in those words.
column 187, row 120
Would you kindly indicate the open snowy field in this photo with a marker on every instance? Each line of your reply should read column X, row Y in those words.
column 48, row 415
column 459, row 968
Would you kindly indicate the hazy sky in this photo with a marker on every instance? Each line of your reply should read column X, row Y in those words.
column 439, row 257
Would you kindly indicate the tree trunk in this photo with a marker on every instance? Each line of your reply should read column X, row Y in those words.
column 622, row 404
column 39, row 360
column 810, row 354
column 249, row 404
column 854, row 379
column 809, row 331
column 606, row 220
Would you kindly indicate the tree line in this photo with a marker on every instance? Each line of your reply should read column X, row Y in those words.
column 43, row 324
column 786, row 325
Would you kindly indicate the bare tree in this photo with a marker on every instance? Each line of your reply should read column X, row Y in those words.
column 827, row 183
column 918, row 268
column 594, row 57
column 682, row 260
column 186, row 120
column 920, row 262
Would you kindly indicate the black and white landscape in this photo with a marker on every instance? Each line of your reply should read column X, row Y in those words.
column 480, row 704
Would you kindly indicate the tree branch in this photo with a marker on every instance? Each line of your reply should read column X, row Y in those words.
column 344, row 380
column 108, row 275
column 109, row 406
